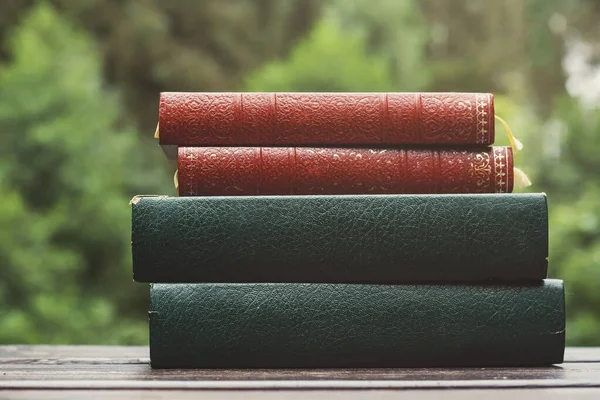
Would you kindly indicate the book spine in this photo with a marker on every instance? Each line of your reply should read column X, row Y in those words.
column 264, row 119
column 349, row 238
column 270, row 325
column 225, row 171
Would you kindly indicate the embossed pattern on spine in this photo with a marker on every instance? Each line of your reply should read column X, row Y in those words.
column 269, row 325
column 225, row 171
column 264, row 119
column 349, row 238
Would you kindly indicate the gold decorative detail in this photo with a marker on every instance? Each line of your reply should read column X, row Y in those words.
column 501, row 161
column 482, row 110
column 481, row 170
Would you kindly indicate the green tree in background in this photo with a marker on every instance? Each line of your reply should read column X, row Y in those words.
column 354, row 47
column 561, row 160
column 79, row 85
column 71, row 158
column 392, row 30
column 328, row 60
column 148, row 46
column 511, row 48
column 573, row 184
column 68, row 166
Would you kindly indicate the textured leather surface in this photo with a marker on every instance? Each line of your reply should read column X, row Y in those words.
column 263, row 119
column 353, row 238
column 270, row 325
column 242, row 171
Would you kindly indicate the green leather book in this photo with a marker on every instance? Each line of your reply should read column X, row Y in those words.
column 340, row 239
column 311, row 325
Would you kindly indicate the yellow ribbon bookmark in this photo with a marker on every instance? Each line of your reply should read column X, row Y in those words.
column 521, row 180
column 156, row 132
column 176, row 181
column 514, row 142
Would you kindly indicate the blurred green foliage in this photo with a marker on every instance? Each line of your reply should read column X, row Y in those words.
column 562, row 154
column 79, row 85
column 65, row 171
column 151, row 45
column 329, row 59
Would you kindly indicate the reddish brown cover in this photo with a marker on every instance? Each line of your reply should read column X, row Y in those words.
column 221, row 171
column 291, row 119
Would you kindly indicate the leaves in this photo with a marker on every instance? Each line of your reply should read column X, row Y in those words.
column 64, row 167
column 72, row 158
column 328, row 60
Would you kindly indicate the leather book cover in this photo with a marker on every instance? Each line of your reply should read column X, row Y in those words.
column 291, row 119
column 243, row 171
column 295, row 325
column 341, row 238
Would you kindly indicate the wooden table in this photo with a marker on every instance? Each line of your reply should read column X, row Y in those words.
column 89, row 372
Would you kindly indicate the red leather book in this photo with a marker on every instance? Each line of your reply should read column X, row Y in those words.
column 222, row 171
column 323, row 119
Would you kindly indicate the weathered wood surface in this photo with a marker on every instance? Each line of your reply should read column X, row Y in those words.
column 116, row 371
column 463, row 394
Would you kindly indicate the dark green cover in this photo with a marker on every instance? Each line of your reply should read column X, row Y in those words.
column 311, row 325
column 361, row 238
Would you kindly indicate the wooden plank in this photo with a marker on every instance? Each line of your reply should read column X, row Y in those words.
column 294, row 384
column 141, row 353
column 474, row 394
column 126, row 368
column 138, row 376
column 86, row 352
column 582, row 354
column 114, row 372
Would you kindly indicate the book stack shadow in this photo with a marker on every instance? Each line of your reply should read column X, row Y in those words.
column 343, row 230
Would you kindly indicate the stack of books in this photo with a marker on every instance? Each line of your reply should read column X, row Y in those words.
column 318, row 230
